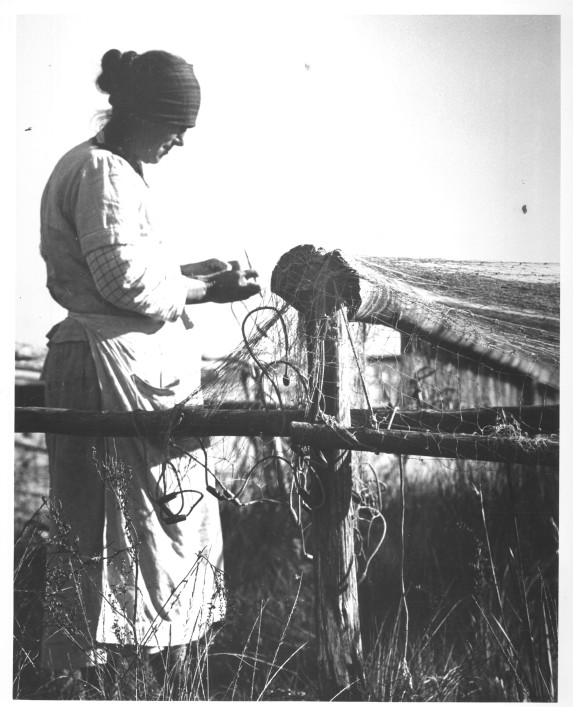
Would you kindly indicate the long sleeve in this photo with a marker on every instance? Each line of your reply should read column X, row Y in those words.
column 127, row 279
column 126, row 260
column 100, row 248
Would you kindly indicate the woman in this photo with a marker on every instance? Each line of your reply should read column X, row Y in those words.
column 132, row 518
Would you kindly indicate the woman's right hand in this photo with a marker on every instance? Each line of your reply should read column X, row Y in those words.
column 231, row 285
column 203, row 269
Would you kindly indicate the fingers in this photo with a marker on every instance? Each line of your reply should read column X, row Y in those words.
column 215, row 265
column 247, row 273
column 205, row 268
column 238, row 277
column 233, row 285
column 248, row 290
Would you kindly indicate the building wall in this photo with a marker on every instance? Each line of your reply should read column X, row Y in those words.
column 422, row 376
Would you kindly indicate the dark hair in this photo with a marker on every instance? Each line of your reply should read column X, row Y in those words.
column 116, row 74
column 116, row 79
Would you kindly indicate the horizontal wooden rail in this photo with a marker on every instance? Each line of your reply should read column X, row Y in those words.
column 205, row 422
column 495, row 448
column 196, row 421
column 531, row 419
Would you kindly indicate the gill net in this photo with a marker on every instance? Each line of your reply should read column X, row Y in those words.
column 459, row 348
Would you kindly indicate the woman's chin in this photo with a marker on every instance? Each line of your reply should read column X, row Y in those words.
column 153, row 159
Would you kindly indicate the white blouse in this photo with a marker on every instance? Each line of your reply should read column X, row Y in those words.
column 101, row 252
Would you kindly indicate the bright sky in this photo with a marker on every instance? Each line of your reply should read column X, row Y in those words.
column 379, row 134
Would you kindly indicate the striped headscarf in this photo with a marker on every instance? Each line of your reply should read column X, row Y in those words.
column 162, row 89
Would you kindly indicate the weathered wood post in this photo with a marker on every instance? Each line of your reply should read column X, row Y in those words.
column 322, row 307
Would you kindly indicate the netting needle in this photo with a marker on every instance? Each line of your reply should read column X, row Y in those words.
column 249, row 262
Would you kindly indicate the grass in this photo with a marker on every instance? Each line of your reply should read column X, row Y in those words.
column 481, row 565
column 479, row 620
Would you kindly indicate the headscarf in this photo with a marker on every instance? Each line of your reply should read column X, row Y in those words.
column 162, row 88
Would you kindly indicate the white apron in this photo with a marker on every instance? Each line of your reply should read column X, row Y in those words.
column 162, row 585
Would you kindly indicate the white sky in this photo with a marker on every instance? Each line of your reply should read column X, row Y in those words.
column 406, row 136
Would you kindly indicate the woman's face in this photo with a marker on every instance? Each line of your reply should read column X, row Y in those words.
column 154, row 140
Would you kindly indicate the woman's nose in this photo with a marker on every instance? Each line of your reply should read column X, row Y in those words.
column 179, row 140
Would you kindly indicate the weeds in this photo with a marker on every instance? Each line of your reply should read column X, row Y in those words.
column 480, row 581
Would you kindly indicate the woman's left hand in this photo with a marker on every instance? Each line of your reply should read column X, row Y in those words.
column 232, row 286
column 205, row 268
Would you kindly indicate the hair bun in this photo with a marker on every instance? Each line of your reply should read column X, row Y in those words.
column 110, row 60
column 115, row 70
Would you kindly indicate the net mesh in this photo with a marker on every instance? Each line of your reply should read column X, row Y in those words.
column 454, row 347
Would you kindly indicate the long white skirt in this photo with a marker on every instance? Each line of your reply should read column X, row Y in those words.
column 149, row 582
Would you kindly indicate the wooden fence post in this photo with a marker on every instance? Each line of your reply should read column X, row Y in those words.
column 305, row 279
column 339, row 641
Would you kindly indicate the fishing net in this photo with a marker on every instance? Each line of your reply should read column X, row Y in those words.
column 461, row 351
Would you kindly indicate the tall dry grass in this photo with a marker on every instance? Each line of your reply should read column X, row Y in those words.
column 477, row 620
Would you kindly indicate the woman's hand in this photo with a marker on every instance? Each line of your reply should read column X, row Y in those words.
column 205, row 268
column 232, row 285
column 224, row 285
